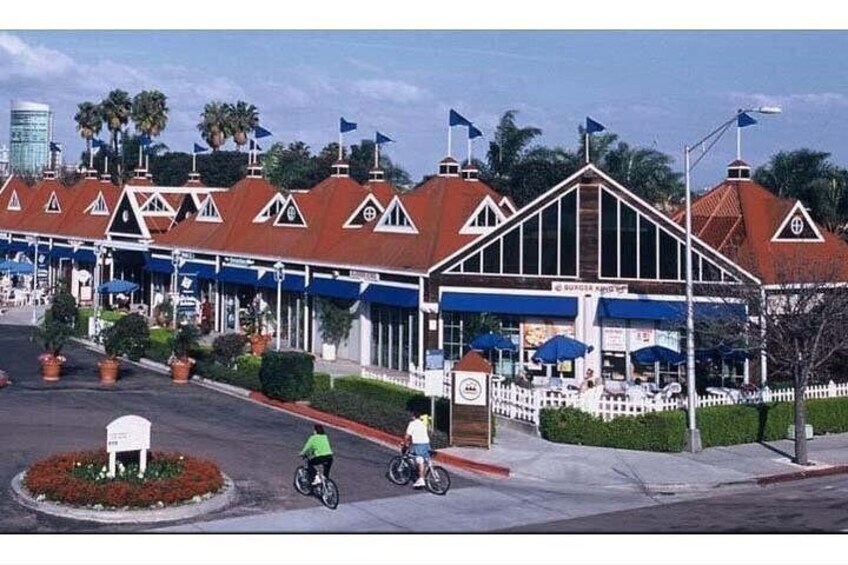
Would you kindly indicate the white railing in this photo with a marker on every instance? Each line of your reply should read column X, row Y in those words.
column 412, row 380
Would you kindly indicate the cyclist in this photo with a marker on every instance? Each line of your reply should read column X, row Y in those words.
column 418, row 440
column 318, row 452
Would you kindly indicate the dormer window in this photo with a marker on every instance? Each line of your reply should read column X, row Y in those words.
column 156, row 205
column 208, row 211
column 365, row 213
column 484, row 218
column 14, row 202
column 271, row 210
column 52, row 206
column 290, row 215
column 396, row 219
column 798, row 226
column 98, row 207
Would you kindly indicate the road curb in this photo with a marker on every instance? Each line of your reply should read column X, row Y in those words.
column 838, row 469
column 379, row 436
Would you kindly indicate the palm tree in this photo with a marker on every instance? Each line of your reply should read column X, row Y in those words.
column 215, row 124
column 116, row 108
column 243, row 118
column 149, row 113
column 509, row 145
column 89, row 121
column 647, row 172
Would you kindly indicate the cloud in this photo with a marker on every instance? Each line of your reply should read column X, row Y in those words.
column 21, row 60
column 797, row 101
column 389, row 90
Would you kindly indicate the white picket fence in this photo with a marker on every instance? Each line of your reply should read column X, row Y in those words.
column 525, row 404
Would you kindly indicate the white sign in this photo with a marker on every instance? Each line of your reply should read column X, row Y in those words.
column 641, row 334
column 434, row 382
column 470, row 388
column 128, row 433
column 364, row 275
column 238, row 261
column 614, row 335
column 593, row 288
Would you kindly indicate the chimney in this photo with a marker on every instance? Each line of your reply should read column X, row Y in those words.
column 448, row 167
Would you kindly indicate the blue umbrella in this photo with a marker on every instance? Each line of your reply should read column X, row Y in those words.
column 18, row 268
column 560, row 348
column 491, row 340
column 117, row 286
column 657, row 354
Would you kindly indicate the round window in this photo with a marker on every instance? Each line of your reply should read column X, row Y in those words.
column 125, row 216
column 796, row 225
column 291, row 213
column 369, row 213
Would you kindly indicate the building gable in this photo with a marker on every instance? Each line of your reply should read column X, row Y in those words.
column 484, row 218
column 125, row 222
column 290, row 215
column 188, row 207
column 208, row 211
column 798, row 227
column 98, row 207
column 52, row 206
column 396, row 219
column 157, row 206
column 365, row 213
column 14, row 202
column 271, row 210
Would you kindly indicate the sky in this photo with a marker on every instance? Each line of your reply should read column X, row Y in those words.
column 659, row 89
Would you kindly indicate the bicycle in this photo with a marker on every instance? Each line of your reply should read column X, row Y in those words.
column 404, row 468
column 326, row 490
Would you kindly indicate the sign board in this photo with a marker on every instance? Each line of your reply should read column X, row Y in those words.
column 470, row 389
column 238, row 261
column 434, row 360
column 128, row 433
column 434, row 383
column 364, row 275
column 641, row 334
column 588, row 288
column 614, row 335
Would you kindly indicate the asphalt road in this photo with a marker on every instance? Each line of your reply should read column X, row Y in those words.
column 253, row 444
column 807, row 506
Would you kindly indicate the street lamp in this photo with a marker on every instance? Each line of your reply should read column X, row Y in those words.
column 98, row 257
column 34, row 279
column 693, row 436
column 279, row 276
column 175, row 261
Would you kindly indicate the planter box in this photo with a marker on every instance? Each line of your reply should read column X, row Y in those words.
column 790, row 431
column 328, row 352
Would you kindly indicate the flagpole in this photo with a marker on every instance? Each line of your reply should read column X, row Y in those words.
column 140, row 159
column 738, row 141
column 469, row 150
column 376, row 155
column 449, row 141
column 194, row 161
column 341, row 143
column 586, row 144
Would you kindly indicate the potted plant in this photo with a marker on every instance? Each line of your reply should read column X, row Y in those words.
column 258, row 341
column 129, row 336
column 164, row 313
column 336, row 321
column 181, row 342
column 53, row 335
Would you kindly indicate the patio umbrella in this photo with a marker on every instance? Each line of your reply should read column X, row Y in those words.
column 18, row 268
column 560, row 348
column 491, row 340
column 657, row 354
column 117, row 286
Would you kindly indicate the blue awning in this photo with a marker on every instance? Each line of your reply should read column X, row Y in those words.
column 158, row 264
column 292, row 282
column 62, row 253
column 17, row 246
column 85, row 255
column 517, row 304
column 4, row 245
column 391, row 295
column 202, row 270
column 238, row 275
column 334, row 288
column 664, row 310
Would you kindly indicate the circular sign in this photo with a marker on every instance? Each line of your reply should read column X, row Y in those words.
column 470, row 389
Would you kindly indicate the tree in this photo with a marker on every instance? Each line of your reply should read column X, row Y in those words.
column 362, row 161
column 798, row 323
column 221, row 168
column 646, row 172
column 150, row 113
column 171, row 169
column 292, row 167
column 215, row 124
column 243, row 117
column 509, row 145
column 89, row 119
column 116, row 109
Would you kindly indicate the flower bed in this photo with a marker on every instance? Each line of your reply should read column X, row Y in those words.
column 79, row 479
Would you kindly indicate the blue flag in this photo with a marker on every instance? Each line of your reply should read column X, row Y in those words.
column 55, row 146
column 457, row 120
column 200, row 148
column 96, row 142
column 345, row 126
column 592, row 126
column 381, row 139
column 744, row 120
column 144, row 139
column 474, row 132
column 255, row 145
column 259, row 132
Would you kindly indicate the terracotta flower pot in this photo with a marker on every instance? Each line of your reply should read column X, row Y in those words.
column 50, row 369
column 109, row 370
column 258, row 343
column 180, row 370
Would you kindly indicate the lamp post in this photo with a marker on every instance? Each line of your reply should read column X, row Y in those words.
column 175, row 261
column 98, row 257
column 279, row 276
column 693, row 435
column 34, row 280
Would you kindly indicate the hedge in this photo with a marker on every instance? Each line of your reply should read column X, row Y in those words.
column 159, row 350
column 666, row 431
column 83, row 314
column 287, row 375
column 371, row 412
column 322, row 383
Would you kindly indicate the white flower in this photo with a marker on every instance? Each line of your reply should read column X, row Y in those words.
column 181, row 458
column 140, row 475
column 41, row 498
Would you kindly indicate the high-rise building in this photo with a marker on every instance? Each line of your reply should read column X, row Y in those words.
column 31, row 130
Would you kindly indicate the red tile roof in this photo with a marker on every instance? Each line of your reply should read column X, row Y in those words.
column 473, row 362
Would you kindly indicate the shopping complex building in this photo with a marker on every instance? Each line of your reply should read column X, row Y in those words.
column 588, row 258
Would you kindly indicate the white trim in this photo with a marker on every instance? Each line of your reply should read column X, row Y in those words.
column 506, row 201
column 208, row 203
column 384, row 226
column 487, row 202
column 167, row 212
column 409, row 286
column 145, row 232
column 265, row 213
column 53, row 199
column 6, row 183
column 369, row 198
column 300, row 215
column 16, row 200
column 798, row 207
column 92, row 208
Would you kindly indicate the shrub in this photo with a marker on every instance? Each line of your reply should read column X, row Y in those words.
column 183, row 340
column 321, row 383
column 244, row 375
column 64, row 308
column 287, row 375
column 336, row 320
column 129, row 336
column 658, row 431
column 828, row 416
column 53, row 335
column 227, row 347
column 402, row 398
column 159, row 349
column 368, row 411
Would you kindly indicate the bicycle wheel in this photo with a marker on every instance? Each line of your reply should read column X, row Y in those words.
column 437, row 480
column 330, row 494
column 301, row 481
column 399, row 471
